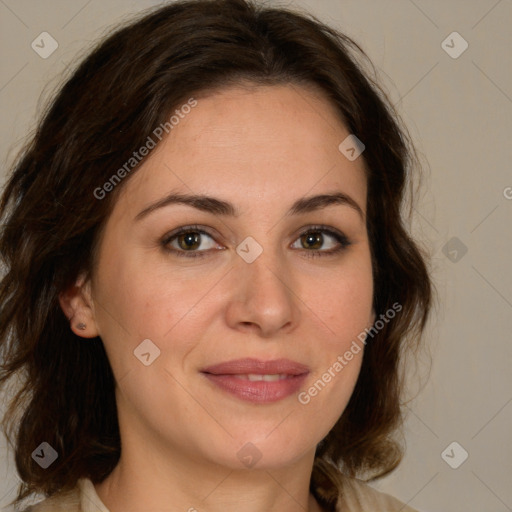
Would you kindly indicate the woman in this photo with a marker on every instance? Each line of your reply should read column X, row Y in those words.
column 208, row 284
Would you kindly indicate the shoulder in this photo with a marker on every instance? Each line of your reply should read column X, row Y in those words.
column 68, row 501
column 357, row 496
column 60, row 502
column 343, row 493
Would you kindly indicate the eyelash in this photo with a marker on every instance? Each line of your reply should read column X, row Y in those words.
column 338, row 236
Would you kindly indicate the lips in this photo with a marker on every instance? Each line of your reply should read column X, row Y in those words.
column 257, row 367
column 258, row 381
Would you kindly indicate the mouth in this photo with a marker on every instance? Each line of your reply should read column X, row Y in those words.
column 258, row 381
column 256, row 377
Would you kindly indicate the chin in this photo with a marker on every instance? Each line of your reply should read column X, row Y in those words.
column 262, row 452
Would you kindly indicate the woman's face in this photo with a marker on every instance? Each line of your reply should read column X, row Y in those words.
column 258, row 280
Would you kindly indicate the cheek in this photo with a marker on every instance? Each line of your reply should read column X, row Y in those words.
column 341, row 306
column 137, row 299
column 342, row 301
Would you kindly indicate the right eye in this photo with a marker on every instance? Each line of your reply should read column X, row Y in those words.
column 188, row 241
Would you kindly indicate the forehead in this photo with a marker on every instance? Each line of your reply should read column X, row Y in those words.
column 253, row 142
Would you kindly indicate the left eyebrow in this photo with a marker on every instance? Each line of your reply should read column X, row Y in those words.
column 313, row 203
column 220, row 207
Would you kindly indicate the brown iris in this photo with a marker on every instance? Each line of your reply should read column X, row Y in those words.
column 313, row 237
column 191, row 239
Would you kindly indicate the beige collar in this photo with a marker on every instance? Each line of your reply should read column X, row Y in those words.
column 89, row 499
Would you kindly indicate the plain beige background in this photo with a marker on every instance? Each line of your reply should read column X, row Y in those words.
column 459, row 112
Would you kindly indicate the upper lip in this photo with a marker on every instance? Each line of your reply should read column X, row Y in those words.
column 257, row 367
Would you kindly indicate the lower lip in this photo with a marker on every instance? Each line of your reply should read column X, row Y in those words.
column 260, row 392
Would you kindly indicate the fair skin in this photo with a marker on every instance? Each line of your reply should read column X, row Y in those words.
column 260, row 149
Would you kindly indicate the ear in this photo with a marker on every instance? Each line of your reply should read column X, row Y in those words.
column 77, row 304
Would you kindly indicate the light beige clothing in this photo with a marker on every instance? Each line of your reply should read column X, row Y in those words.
column 354, row 496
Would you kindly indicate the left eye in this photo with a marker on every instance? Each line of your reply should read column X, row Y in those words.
column 315, row 239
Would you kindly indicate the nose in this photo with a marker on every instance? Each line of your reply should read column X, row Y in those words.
column 263, row 299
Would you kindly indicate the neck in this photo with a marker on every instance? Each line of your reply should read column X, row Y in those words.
column 178, row 483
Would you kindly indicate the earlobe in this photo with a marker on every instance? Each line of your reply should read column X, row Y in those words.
column 77, row 304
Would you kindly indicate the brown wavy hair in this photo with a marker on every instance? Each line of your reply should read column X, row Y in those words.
column 52, row 222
